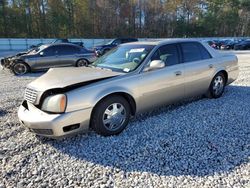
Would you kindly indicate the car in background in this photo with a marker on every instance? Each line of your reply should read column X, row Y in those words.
column 56, row 41
column 52, row 55
column 102, row 49
column 6, row 61
column 129, row 79
column 212, row 43
column 244, row 45
column 228, row 44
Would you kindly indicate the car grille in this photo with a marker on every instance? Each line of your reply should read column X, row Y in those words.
column 30, row 95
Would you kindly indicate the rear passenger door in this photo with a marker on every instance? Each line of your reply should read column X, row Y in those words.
column 199, row 68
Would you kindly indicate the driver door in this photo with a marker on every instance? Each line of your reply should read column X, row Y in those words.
column 165, row 85
column 47, row 59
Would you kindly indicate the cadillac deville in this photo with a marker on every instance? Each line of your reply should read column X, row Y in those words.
column 129, row 79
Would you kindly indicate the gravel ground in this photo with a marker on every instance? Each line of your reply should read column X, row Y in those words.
column 197, row 143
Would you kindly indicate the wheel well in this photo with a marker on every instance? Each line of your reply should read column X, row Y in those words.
column 225, row 74
column 126, row 96
column 21, row 61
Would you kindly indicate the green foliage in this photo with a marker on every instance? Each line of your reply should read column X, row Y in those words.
column 112, row 18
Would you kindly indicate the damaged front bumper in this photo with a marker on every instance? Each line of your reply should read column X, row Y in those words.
column 53, row 125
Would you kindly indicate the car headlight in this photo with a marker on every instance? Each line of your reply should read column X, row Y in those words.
column 55, row 103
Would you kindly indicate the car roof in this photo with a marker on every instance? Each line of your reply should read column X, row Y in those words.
column 125, row 38
column 161, row 41
column 64, row 44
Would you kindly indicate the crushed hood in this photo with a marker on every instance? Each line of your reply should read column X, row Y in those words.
column 63, row 77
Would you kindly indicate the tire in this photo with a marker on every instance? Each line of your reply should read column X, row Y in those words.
column 108, row 121
column 217, row 86
column 20, row 68
column 82, row 63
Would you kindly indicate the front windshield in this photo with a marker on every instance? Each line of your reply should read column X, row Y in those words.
column 38, row 49
column 124, row 58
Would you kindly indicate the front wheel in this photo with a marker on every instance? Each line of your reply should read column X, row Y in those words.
column 217, row 86
column 20, row 68
column 110, row 116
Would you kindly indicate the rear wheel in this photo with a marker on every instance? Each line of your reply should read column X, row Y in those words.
column 217, row 86
column 110, row 116
column 20, row 68
column 82, row 63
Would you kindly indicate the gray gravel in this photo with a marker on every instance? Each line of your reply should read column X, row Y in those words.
column 197, row 143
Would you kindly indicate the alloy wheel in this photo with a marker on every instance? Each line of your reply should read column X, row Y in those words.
column 20, row 69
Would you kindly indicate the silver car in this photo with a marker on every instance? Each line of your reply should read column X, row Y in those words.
column 127, row 80
column 49, row 56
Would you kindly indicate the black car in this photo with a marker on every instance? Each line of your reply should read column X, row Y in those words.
column 102, row 49
column 244, row 45
column 212, row 43
column 48, row 56
column 228, row 44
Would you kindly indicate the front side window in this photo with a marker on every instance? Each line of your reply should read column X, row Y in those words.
column 50, row 51
column 124, row 58
column 168, row 54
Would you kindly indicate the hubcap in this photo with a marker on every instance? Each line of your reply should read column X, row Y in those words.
column 82, row 63
column 218, row 85
column 20, row 69
column 114, row 116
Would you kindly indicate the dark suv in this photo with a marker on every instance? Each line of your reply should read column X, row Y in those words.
column 102, row 49
column 48, row 56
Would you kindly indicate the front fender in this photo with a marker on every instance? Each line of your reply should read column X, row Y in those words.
column 87, row 98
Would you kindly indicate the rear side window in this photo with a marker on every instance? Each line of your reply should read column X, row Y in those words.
column 68, row 50
column 50, row 51
column 193, row 51
column 168, row 54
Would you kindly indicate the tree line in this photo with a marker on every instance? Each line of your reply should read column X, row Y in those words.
column 134, row 18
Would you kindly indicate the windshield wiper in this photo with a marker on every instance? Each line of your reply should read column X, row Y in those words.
column 103, row 68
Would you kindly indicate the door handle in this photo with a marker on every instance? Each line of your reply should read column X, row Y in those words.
column 211, row 66
column 178, row 73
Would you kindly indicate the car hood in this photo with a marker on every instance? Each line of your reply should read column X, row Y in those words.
column 63, row 77
column 23, row 56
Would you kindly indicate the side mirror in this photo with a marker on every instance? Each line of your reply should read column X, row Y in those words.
column 155, row 64
column 41, row 53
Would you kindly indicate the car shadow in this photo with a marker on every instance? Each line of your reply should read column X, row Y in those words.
column 33, row 74
column 198, row 137
column 6, row 71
